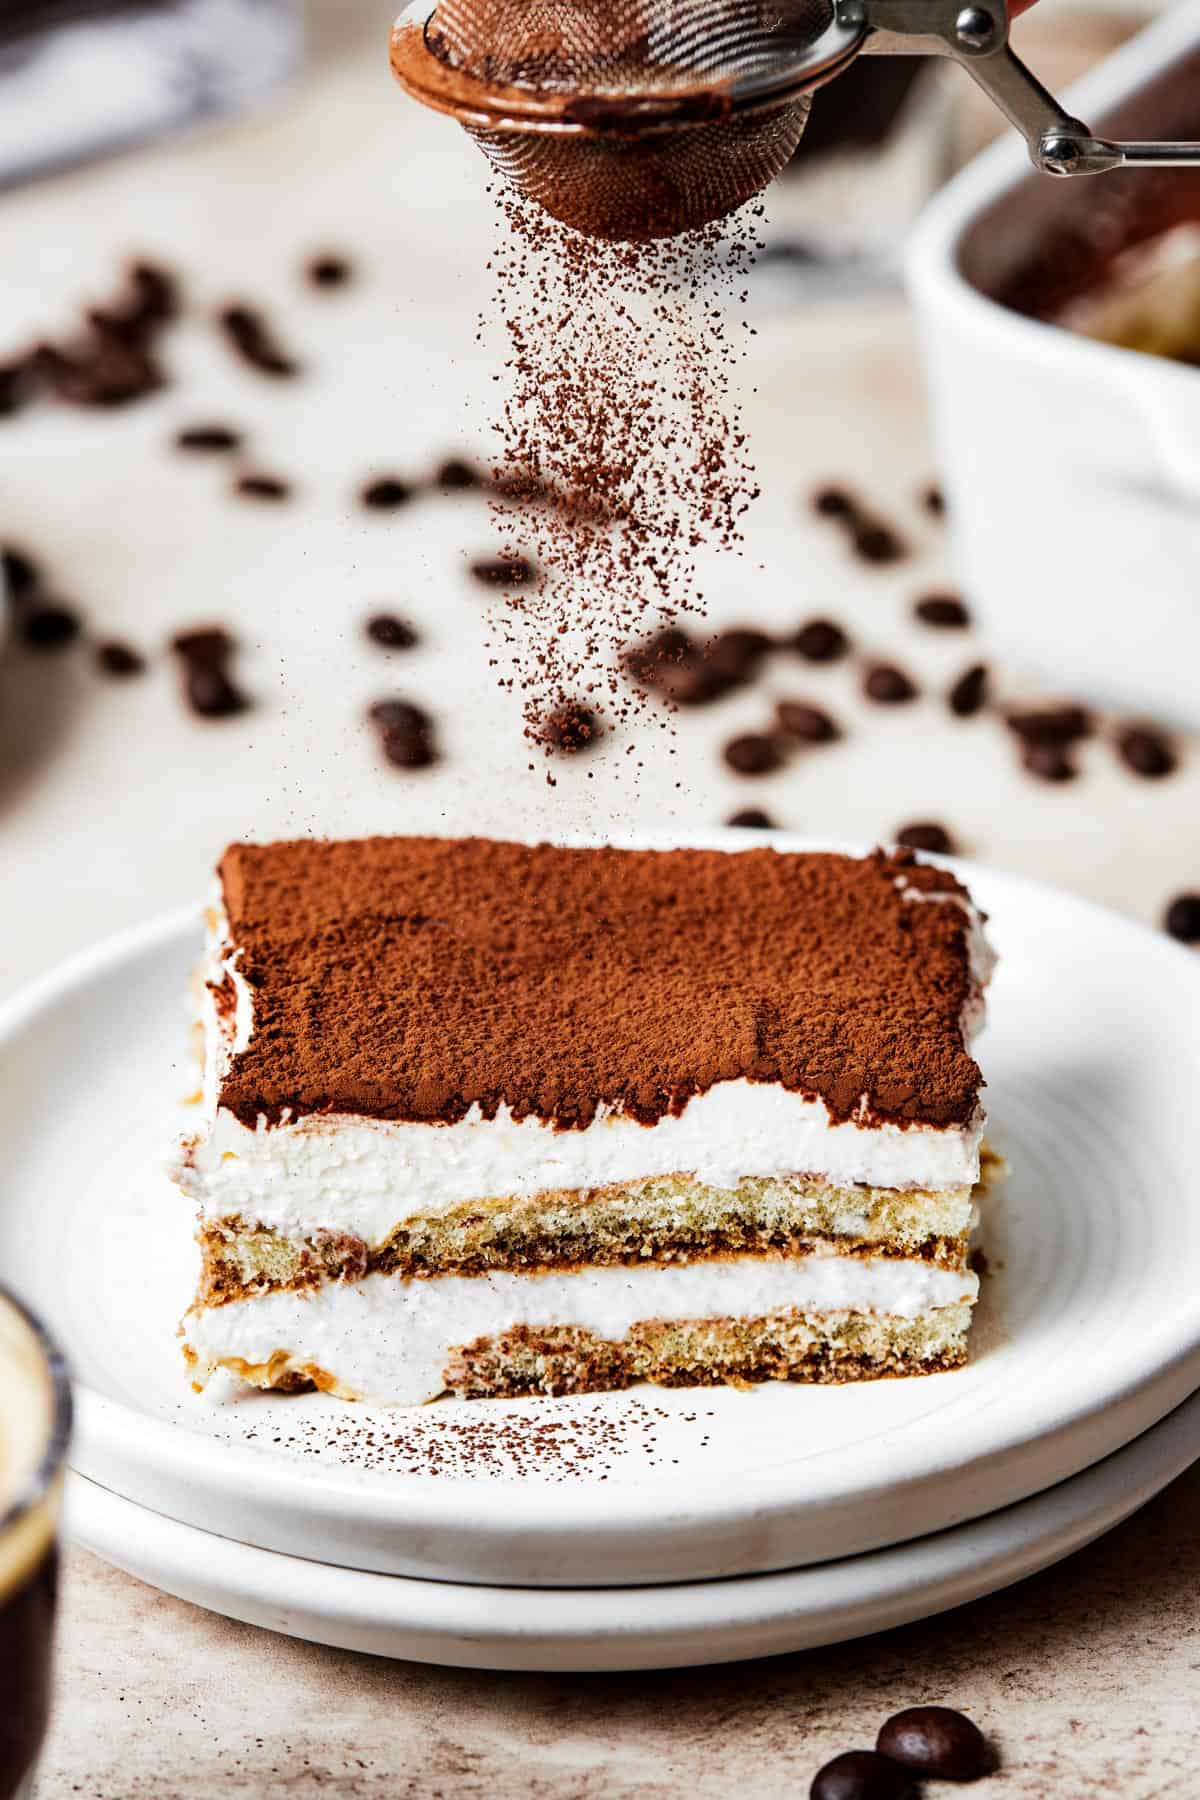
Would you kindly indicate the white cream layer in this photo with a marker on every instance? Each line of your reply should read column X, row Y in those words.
column 366, row 1176
column 348, row 1173
column 387, row 1338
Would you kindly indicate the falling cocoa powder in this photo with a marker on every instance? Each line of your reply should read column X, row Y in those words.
column 623, row 458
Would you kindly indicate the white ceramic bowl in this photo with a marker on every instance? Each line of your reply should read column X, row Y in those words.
column 1072, row 467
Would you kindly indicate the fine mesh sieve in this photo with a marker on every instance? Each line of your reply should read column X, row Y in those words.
column 627, row 119
column 636, row 119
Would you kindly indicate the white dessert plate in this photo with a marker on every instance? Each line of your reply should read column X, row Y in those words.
column 1088, row 1331
column 632, row 1628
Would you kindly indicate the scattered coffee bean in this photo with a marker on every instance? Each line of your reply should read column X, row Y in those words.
column 648, row 660
column 251, row 337
column 21, row 574
column 262, row 487
column 208, row 644
column 156, row 290
column 1146, row 751
column 121, row 660
column 945, row 612
column 104, row 374
column 834, row 503
column 887, row 685
column 969, row 694
column 807, row 724
column 399, row 715
column 570, row 728
column 406, row 733
column 934, row 500
column 329, row 270
column 1048, row 761
column 753, row 818
column 820, row 641
column 1050, row 724
column 207, row 685
column 738, row 653
column 210, row 692
column 391, row 632
column 936, row 1741
column 926, row 836
column 752, row 754
column 874, row 542
column 409, row 749
column 503, row 571
column 50, row 627
column 694, row 682
column 456, row 476
column 387, row 493
column 520, row 488
column 861, row 1775
column 17, row 386
column 1182, row 918
column 208, row 439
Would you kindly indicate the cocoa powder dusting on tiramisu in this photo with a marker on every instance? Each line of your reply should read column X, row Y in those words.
column 420, row 978
column 622, row 452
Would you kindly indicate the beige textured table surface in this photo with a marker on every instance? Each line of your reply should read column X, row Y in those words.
column 114, row 802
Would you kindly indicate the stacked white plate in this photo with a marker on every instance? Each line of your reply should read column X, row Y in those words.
column 656, row 1527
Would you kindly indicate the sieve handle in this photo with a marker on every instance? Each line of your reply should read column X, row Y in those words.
column 976, row 35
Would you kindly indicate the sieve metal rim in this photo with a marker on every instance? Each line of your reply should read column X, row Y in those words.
column 487, row 106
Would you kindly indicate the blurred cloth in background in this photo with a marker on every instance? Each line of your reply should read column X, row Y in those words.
column 80, row 77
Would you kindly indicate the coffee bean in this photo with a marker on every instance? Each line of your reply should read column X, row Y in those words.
column 1182, row 918
column 646, row 661
column 820, row 641
column 694, row 682
column 834, row 503
column 753, row 818
column 934, row 838
column 21, row 574
column 934, row 500
column 570, row 729
column 1048, row 761
column 936, row 1741
column 738, row 653
column 17, row 386
column 861, row 1775
column 207, row 686
column 329, row 270
column 391, row 632
column 50, row 627
column 156, row 290
column 752, row 754
column 807, row 724
column 945, row 612
column 455, row 476
column 387, row 493
column 877, row 543
column 887, row 685
column 399, row 715
column 251, row 337
column 121, row 660
column 503, row 571
column 102, row 375
column 262, row 487
column 1050, row 724
column 1146, row 751
column 969, row 694
column 208, row 644
column 210, row 692
column 208, row 439
column 519, row 488
column 409, row 749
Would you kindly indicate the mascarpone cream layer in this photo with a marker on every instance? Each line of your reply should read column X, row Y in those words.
column 386, row 1338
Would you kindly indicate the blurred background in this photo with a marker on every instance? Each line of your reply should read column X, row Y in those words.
column 244, row 407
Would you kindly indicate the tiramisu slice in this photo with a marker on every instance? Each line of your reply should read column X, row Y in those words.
column 485, row 1118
